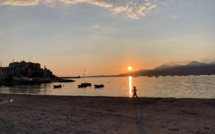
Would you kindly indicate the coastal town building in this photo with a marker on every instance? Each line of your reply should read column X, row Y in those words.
column 24, row 69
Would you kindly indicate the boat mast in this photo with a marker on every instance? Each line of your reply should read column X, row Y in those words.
column 84, row 73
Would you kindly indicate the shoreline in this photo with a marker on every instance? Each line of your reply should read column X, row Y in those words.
column 96, row 115
column 177, row 98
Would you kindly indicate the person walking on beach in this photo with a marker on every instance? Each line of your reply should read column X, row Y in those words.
column 135, row 93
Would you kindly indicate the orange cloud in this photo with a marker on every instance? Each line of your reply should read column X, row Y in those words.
column 132, row 8
column 20, row 2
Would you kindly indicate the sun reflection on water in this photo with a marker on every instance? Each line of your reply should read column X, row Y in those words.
column 130, row 86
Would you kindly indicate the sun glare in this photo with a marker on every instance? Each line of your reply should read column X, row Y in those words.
column 130, row 68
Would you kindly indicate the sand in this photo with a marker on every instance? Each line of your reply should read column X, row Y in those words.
column 106, row 115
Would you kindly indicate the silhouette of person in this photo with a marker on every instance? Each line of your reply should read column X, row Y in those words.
column 135, row 93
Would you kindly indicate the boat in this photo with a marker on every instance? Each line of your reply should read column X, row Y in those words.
column 99, row 86
column 84, row 85
column 57, row 86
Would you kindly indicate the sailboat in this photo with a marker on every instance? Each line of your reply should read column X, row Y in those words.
column 84, row 84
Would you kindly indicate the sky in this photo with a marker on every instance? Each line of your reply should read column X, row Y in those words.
column 106, row 36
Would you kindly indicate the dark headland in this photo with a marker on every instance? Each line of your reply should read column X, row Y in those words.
column 192, row 68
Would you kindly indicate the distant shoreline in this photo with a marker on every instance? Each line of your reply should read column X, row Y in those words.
column 136, row 76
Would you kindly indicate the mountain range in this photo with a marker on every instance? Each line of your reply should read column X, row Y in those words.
column 192, row 68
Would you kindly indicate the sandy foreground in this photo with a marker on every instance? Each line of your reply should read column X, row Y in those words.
column 98, row 115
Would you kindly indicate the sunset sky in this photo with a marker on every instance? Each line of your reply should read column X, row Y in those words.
column 106, row 36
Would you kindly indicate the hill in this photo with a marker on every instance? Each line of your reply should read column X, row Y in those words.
column 192, row 68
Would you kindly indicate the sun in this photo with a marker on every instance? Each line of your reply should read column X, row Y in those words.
column 130, row 68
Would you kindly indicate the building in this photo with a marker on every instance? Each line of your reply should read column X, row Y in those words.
column 24, row 69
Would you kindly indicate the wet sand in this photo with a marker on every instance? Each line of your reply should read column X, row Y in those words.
column 108, row 115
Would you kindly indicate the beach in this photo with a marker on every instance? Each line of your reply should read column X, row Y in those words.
column 106, row 115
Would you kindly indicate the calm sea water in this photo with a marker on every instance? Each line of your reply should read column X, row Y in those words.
column 177, row 87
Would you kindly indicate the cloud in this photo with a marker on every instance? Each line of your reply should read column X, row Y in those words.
column 26, row 2
column 134, row 12
column 49, row 2
column 19, row 2
column 132, row 8
column 101, row 3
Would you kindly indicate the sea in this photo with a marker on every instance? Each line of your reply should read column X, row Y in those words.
column 200, row 86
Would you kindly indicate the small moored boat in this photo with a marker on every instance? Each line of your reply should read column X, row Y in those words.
column 57, row 86
column 99, row 86
column 84, row 85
